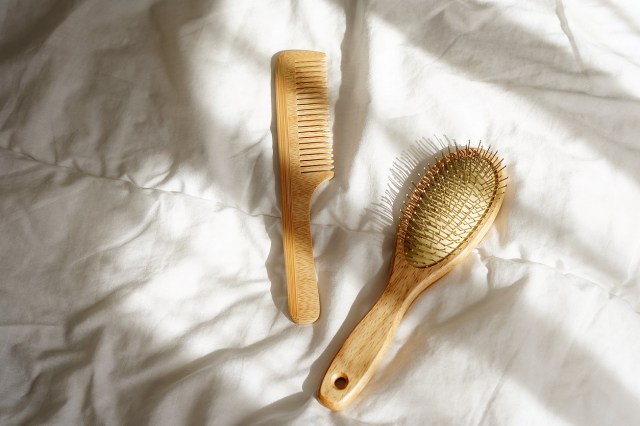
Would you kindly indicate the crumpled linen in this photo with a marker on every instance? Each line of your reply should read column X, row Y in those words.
column 142, row 274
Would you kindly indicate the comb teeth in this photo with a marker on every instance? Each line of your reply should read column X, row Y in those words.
column 312, row 107
column 449, row 203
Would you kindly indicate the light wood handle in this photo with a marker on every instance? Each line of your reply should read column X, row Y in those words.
column 357, row 360
column 302, row 287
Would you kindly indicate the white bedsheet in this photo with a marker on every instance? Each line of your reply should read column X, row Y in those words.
column 141, row 265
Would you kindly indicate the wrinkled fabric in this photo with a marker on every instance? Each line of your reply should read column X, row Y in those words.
column 141, row 259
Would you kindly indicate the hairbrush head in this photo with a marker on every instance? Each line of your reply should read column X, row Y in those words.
column 449, row 204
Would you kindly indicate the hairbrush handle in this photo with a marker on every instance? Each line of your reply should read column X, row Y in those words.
column 302, row 286
column 360, row 355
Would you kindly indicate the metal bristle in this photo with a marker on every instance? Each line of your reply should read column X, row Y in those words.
column 448, row 203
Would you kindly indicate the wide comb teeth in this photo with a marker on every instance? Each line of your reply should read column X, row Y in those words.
column 449, row 203
column 312, row 106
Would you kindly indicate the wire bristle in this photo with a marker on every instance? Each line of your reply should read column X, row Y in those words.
column 312, row 105
column 448, row 204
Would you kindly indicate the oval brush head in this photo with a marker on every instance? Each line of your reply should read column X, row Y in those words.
column 447, row 215
column 448, row 205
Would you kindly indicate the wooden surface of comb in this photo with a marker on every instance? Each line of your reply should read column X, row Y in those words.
column 451, row 209
column 306, row 160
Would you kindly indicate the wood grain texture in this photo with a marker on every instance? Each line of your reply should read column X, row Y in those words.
column 355, row 363
column 306, row 160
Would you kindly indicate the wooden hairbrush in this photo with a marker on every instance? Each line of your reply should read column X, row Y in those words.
column 447, row 215
column 306, row 160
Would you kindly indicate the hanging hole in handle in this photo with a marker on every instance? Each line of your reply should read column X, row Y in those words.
column 341, row 382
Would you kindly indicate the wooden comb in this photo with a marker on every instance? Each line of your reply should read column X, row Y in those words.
column 447, row 215
column 306, row 160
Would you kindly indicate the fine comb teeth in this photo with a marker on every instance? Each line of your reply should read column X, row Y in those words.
column 312, row 106
column 449, row 202
column 306, row 160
